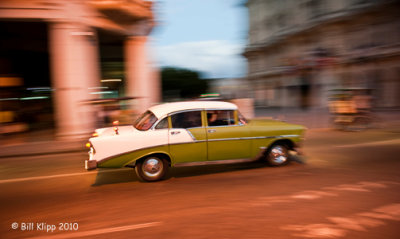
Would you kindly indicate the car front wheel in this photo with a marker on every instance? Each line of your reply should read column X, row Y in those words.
column 152, row 168
column 277, row 155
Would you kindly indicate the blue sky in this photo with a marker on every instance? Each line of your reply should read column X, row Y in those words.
column 204, row 35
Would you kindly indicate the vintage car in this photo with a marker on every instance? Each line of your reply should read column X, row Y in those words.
column 191, row 133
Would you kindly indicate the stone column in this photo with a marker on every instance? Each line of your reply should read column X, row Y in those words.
column 141, row 77
column 74, row 69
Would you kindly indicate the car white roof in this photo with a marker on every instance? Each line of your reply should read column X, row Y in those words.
column 164, row 109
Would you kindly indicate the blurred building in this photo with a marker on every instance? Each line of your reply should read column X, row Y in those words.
column 81, row 49
column 300, row 49
column 230, row 88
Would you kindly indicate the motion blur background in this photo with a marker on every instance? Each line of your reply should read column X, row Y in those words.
column 67, row 67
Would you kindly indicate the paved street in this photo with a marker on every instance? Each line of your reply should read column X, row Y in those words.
column 347, row 186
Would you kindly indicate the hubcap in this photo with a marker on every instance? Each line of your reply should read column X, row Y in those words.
column 152, row 167
column 278, row 154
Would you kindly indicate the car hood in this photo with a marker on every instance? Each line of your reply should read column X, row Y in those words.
column 107, row 131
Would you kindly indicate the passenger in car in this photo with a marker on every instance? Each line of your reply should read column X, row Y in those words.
column 214, row 119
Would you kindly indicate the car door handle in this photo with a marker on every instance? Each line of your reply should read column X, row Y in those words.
column 212, row 130
column 175, row 132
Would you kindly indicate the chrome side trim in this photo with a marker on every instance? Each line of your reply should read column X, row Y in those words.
column 194, row 138
column 191, row 135
column 240, row 138
column 288, row 136
column 264, row 137
column 257, row 137
column 192, row 142
column 227, row 139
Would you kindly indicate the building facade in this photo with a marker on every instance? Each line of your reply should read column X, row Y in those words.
column 298, row 50
column 75, row 40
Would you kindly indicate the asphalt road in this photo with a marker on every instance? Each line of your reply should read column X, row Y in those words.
column 347, row 186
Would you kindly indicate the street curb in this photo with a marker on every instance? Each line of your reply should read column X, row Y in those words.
column 41, row 153
column 37, row 148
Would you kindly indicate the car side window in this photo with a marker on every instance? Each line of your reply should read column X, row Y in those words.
column 189, row 119
column 163, row 124
column 220, row 117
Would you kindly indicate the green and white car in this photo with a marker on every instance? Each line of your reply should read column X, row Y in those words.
column 191, row 133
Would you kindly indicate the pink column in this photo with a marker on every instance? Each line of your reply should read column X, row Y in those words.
column 75, row 69
column 156, row 84
column 141, row 77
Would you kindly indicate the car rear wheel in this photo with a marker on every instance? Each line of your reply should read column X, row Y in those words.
column 152, row 168
column 277, row 155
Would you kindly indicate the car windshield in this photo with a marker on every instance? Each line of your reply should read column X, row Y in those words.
column 145, row 121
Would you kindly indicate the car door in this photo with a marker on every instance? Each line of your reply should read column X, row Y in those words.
column 187, row 137
column 227, row 138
